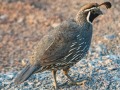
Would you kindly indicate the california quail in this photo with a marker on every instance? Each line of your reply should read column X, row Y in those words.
column 63, row 46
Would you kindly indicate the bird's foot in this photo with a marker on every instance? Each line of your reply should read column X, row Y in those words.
column 55, row 87
column 79, row 83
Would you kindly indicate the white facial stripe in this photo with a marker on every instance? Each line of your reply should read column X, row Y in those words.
column 90, row 9
column 88, row 16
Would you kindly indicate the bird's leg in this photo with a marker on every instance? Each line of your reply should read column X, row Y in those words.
column 65, row 71
column 55, row 81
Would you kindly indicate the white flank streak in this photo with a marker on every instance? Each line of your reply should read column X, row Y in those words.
column 81, row 39
column 85, row 47
column 78, row 51
column 81, row 43
column 72, row 49
column 78, row 47
column 73, row 44
column 78, row 35
column 75, row 56
column 60, row 63
column 81, row 54
column 67, row 56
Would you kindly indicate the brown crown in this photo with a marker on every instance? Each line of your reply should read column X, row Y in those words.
column 88, row 6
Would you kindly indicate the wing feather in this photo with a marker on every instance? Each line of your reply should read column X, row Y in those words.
column 54, row 46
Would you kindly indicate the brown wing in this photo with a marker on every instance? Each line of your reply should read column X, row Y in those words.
column 54, row 46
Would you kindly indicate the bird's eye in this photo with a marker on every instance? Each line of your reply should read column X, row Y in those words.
column 93, row 11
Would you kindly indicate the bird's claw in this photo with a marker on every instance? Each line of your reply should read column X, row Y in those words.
column 82, row 83
column 55, row 87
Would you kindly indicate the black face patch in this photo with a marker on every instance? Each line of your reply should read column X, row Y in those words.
column 93, row 16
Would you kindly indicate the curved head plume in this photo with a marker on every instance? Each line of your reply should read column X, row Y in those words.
column 92, row 10
column 107, row 4
column 93, row 5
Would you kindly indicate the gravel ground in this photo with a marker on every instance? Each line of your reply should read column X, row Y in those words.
column 24, row 22
column 100, row 73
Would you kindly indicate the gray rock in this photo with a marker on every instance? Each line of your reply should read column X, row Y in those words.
column 110, row 37
column 101, row 49
column 3, row 17
column 9, row 76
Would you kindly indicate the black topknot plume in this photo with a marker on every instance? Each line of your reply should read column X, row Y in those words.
column 107, row 4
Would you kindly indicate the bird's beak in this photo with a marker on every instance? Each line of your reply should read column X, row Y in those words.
column 99, row 12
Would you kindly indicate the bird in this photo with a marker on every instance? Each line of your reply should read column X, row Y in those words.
column 64, row 45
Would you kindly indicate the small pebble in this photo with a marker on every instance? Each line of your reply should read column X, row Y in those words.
column 109, row 37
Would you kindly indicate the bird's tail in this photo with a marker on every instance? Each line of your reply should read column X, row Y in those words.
column 26, row 73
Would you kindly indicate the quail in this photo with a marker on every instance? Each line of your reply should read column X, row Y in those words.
column 63, row 46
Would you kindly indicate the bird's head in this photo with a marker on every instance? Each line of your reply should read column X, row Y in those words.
column 92, row 10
